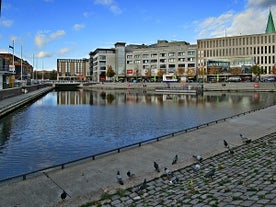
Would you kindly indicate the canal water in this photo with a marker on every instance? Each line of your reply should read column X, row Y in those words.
column 67, row 125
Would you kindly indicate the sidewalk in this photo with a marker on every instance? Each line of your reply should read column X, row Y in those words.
column 252, row 166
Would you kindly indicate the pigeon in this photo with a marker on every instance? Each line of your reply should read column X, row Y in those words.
column 168, row 172
column 198, row 158
column 245, row 139
column 174, row 180
column 175, row 160
column 129, row 174
column 225, row 144
column 197, row 167
column 231, row 152
column 63, row 195
column 119, row 178
column 156, row 166
column 210, row 174
column 141, row 187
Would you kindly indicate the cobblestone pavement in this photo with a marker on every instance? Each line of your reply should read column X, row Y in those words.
column 245, row 178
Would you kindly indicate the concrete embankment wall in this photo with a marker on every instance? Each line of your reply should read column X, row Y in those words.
column 243, row 86
column 11, row 92
column 222, row 86
column 16, row 101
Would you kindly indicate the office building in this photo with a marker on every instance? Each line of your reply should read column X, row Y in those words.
column 145, row 62
column 226, row 56
column 100, row 60
column 73, row 69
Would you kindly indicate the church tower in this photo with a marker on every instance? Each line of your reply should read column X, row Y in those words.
column 270, row 24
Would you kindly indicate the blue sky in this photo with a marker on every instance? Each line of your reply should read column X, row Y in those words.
column 52, row 29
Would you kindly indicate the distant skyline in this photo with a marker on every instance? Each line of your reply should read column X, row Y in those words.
column 52, row 29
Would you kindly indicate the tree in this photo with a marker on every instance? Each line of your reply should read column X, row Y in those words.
column 180, row 71
column 257, row 70
column 214, row 70
column 235, row 71
column 148, row 73
column 273, row 71
column 53, row 75
column 160, row 73
column 110, row 72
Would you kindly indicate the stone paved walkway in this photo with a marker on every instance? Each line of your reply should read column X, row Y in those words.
column 246, row 178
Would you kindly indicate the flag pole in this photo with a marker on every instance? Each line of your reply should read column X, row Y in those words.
column 13, row 52
column 21, row 65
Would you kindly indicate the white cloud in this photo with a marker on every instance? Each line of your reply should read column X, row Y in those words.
column 78, row 26
column 110, row 4
column 252, row 20
column 261, row 3
column 43, row 54
column 41, row 39
column 64, row 51
column 6, row 23
column 57, row 34
column 215, row 26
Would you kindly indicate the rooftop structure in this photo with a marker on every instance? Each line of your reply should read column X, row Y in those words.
column 270, row 24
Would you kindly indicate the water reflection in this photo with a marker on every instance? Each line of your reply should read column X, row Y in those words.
column 66, row 125
column 136, row 97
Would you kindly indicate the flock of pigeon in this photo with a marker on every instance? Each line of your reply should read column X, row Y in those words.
column 170, row 175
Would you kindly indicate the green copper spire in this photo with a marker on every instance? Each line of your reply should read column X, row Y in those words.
column 270, row 24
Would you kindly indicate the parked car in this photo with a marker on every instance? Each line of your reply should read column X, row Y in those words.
column 234, row 79
column 269, row 79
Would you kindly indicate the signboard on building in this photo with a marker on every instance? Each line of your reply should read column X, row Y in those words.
column 129, row 72
column 12, row 68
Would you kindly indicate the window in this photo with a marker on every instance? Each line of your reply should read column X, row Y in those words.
column 171, row 54
column 146, row 67
column 171, row 60
column 154, row 55
column 102, row 57
column 191, row 52
column 181, row 53
column 137, row 56
column 163, row 54
column 129, row 56
column 145, row 55
column 137, row 61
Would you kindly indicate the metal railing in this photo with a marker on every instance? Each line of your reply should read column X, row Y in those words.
column 130, row 146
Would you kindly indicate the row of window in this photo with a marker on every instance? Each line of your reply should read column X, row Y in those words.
column 226, row 42
column 240, row 51
column 78, row 67
column 170, row 66
column 170, row 60
column 155, row 55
